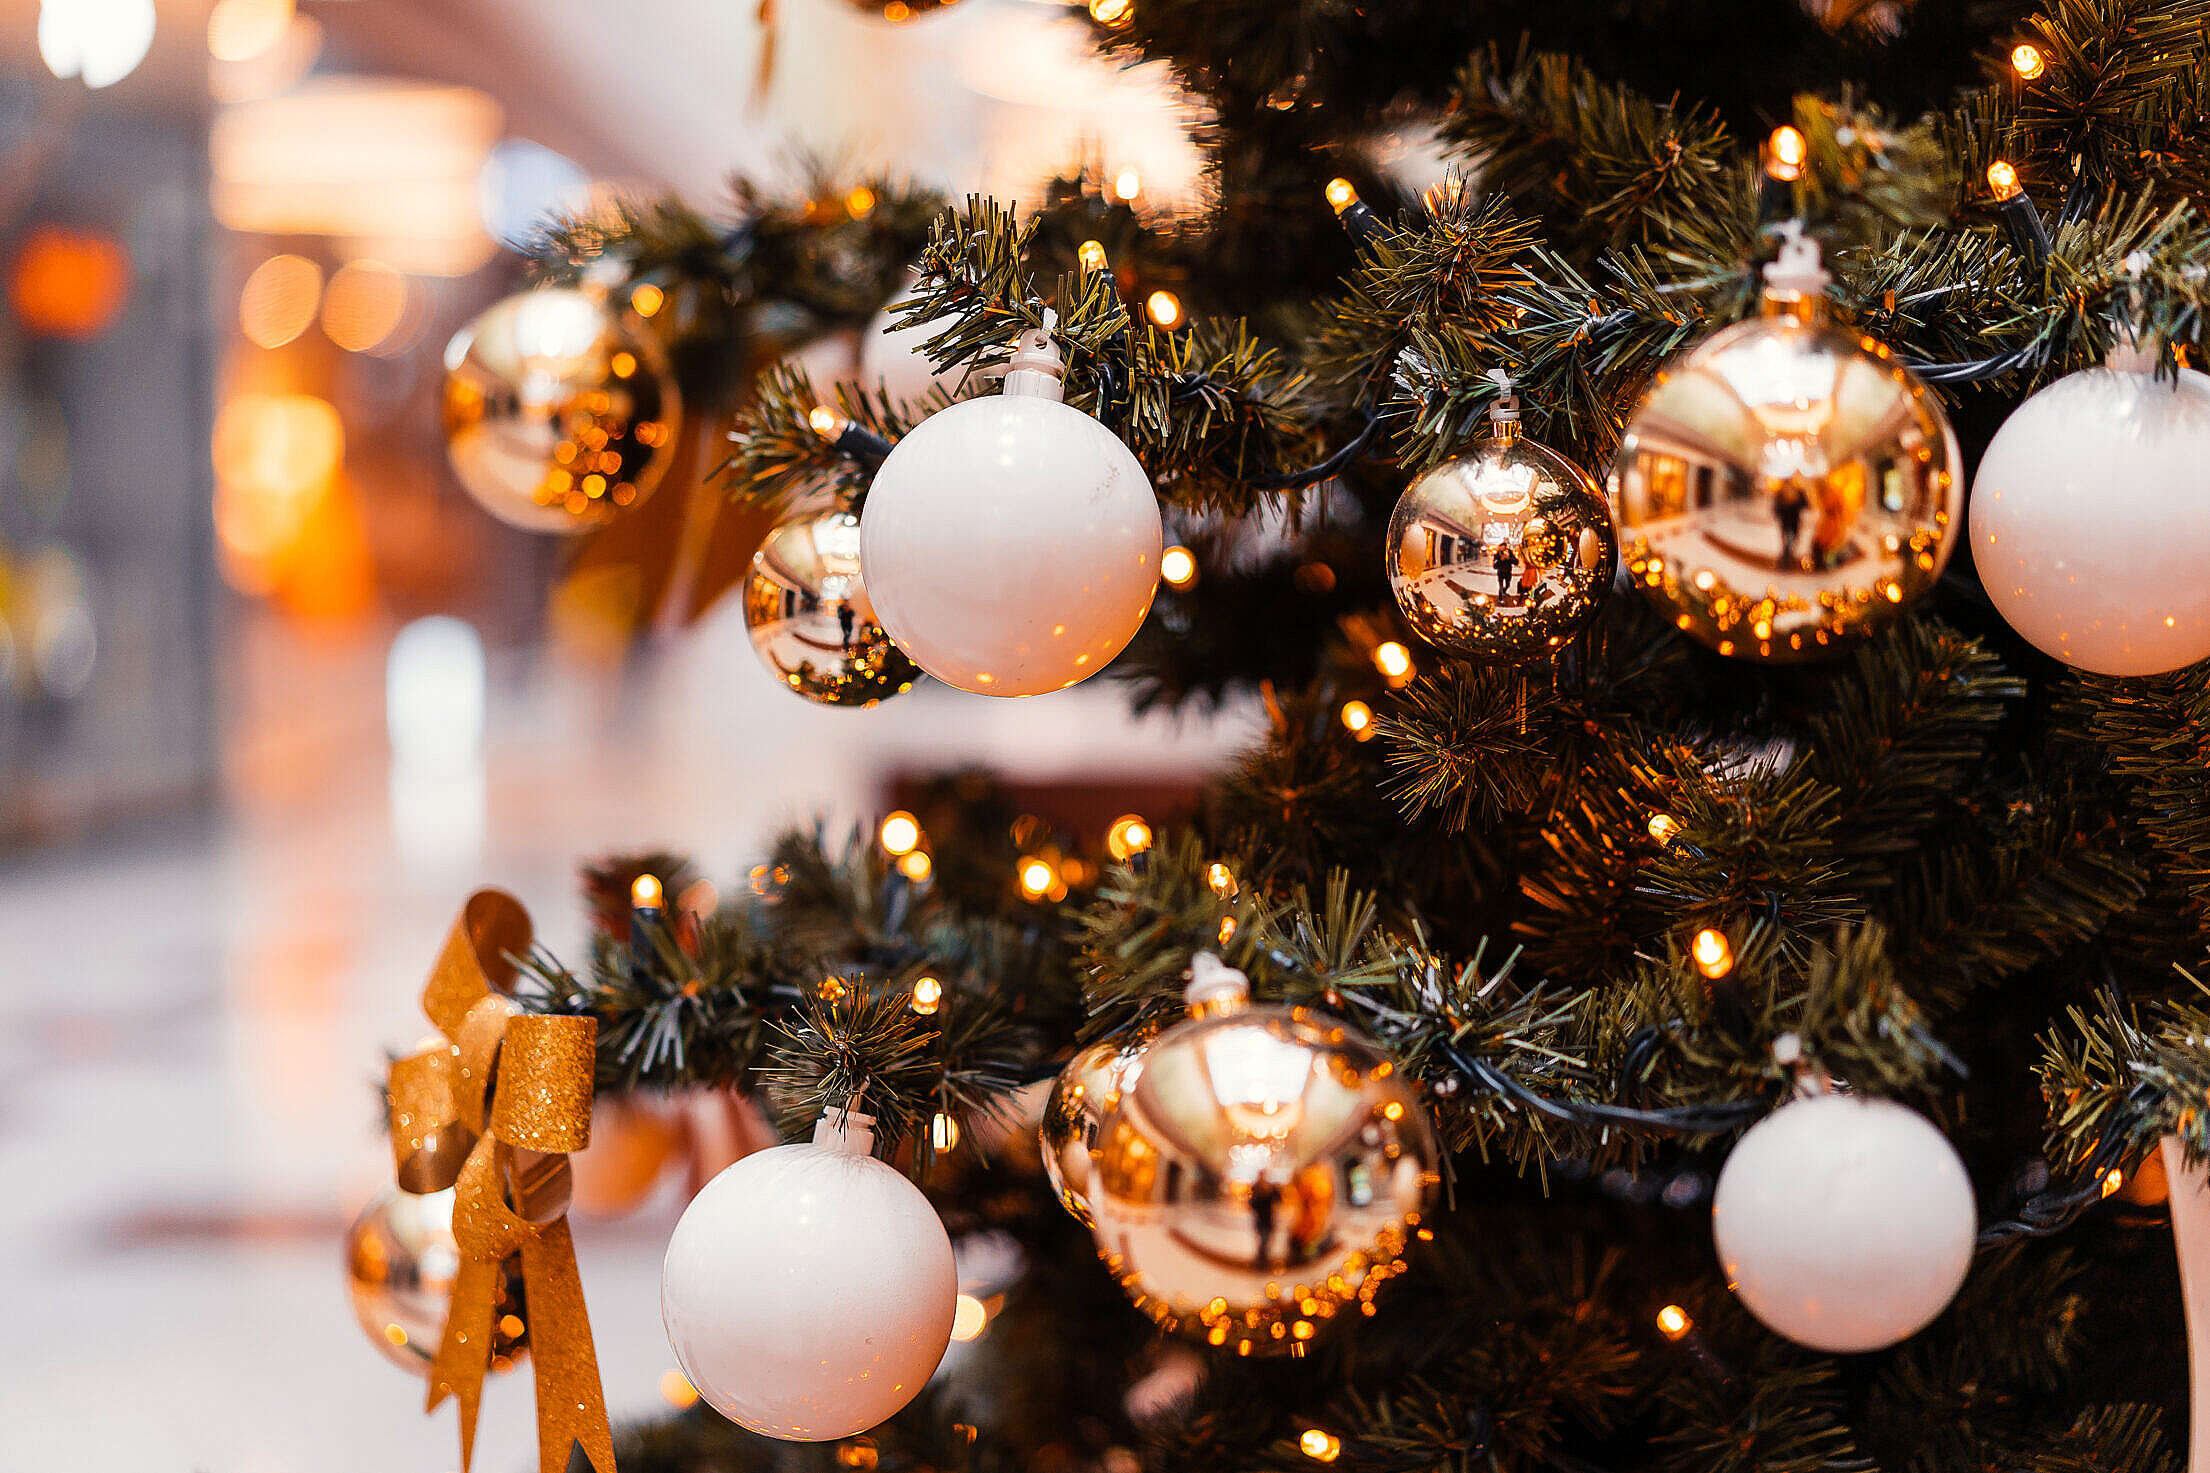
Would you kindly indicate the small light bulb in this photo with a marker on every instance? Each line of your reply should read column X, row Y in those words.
column 1164, row 309
column 1673, row 1322
column 1037, row 877
column 826, row 422
column 2003, row 179
column 644, row 892
column 2027, row 61
column 1358, row 719
column 1127, row 184
column 1092, row 255
column 1220, row 878
column 647, row 299
column 916, row 866
column 1227, row 929
column 1112, row 13
column 1713, row 953
column 1664, row 828
column 676, row 1389
column 1341, row 195
column 1785, row 152
column 860, row 202
column 969, row 1318
column 943, row 1132
column 928, row 995
column 2112, row 1180
column 900, row 833
column 1319, row 1445
column 1178, row 566
column 1394, row 662
column 1128, row 836
column 831, row 989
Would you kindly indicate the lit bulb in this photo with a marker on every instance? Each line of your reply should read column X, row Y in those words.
column 676, row 1389
column 644, row 892
column 1113, row 13
column 900, row 833
column 1358, row 719
column 1341, row 196
column 826, row 422
column 1320, row 1446
column 1178, row 566
column 928, row 995
column 647, row 299
column 1714, row 954
column 916, row 866
column 1673, row 1322
column 1128, row 836
column 1037, row 877
column 1664, row 828
column 1127, row 184
column 943, row 1132
column 2026, row 60
column 860, row 202
column 1164, row 309
column 968, row 1317
column 2003, row 179
column 1220, row 878
column 2112, row 1180
column 1394, row 662
column 1092, row 255
column 1785, row 152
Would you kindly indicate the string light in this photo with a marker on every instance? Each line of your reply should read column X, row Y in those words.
column 1785, row 152
column 1358, row 719
column 676, row 1389
column 1092, row 255
column 1341, row 195
column 826, row 422
column 645, row 892
column 1113, row 13
column 1037, row 877
column 647, row 299
column 1320, row 1445
column 943, row 1133
column 859, row 1453
column 2027, row 61
column 2112, row 1180
column 1714, row 954
column 1127, row 184
column 1220, row 878
column 928, row 995
column 1128, row 837
column 279, row 300
column 364, row 304
column 2003, row 179
column 1664, row 828
column 860, row 202
column 1394, row 662
column 916, row 866
column 900, row 833
column 968, row 1317
column 1673, row 1322
column 1164, row 309
column 1178, row 566
column 1227, row 929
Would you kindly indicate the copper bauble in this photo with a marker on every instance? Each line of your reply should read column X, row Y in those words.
column 1081, row 1097
column 400, row 1262
column 558, row 416
column 811, row 621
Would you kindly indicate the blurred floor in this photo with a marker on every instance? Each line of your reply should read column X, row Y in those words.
column 193, row 1028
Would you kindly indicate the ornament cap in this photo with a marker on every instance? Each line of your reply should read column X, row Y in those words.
column 1504, row 408
column 847, row 1132
column 1798, row 273
column 1214, row 986
column 1035, row 370
column 2134, row 353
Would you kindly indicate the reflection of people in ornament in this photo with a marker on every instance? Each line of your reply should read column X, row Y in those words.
column 1506, row 564
column 1788, row 504
column 844, row 620
column 1265, row 1197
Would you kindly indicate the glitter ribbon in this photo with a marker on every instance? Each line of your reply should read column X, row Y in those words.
column 493, row 1109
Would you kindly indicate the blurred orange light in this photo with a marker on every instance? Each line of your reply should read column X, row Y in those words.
column 68, row 283
column 1127, row 184
column 239, row 30
column 676, row 1389
column 860, row 202
column 1785, row 152
column 2026, row 60
column 2003, row 179
column 364, row 306
column 1164, row 308
column 1714, row 954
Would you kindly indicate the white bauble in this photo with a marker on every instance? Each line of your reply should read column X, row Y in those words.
column 2088, row 524
column 1845, row 1224
column 809, row 1290
column 1011, row 542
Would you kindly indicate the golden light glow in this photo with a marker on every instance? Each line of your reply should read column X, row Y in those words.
column 826, row 422
column 928, row 995
column 2003, row 179
column 1673, row 1322
column 240, row 30
column 943, row 1133
column 1220, row 878
column 1127, row 184
column 1037, row 877
column 900, row 832
column 1164, row 309
column 1358, row 719
column 968, row 1317
column 1113, row 13
column 676, row 1389
column 1664, row 828
column 916, row 866
column 1320, row 1445
column 364, row 305
column 644, row 892
column 859, row 1453
column 279, row 300
column 68, row 283
column 2027, row 61
column 1092, row 255
column 1785, row 152
column 1394, row 662
column 396, row 1334
column 1178, row 566
column 1128, row 836
column 1227, row 929
column 1713, row 953
column 2112, row 1180
column 1341, row 195
column 860, row 203
column 647, row 299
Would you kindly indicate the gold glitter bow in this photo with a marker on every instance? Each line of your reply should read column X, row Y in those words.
column 493, row 1110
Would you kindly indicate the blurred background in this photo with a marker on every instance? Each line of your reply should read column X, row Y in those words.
column 274, row 694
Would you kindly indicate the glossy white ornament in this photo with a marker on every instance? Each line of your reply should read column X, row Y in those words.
column 1011, row 542
column 2088, row 523
column 1845, row 1224
column 808, row 1291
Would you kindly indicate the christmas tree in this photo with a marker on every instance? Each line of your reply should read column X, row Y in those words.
column 1661, row 807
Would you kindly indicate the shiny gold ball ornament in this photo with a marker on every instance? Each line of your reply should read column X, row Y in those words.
column 807, row 610
column 1786, row 486
column 558, row 417
column 1085, row 1092
column 400, row 1263
column 1503, row 553
column 1262, row 1173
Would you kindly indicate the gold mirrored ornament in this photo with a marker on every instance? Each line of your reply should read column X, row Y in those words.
column 1263, row 1173
column 1074, row 1112
column 1503, row 553
column 558, row 417
column 400, row 1262
column 1786, row 485
column 807, row 610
